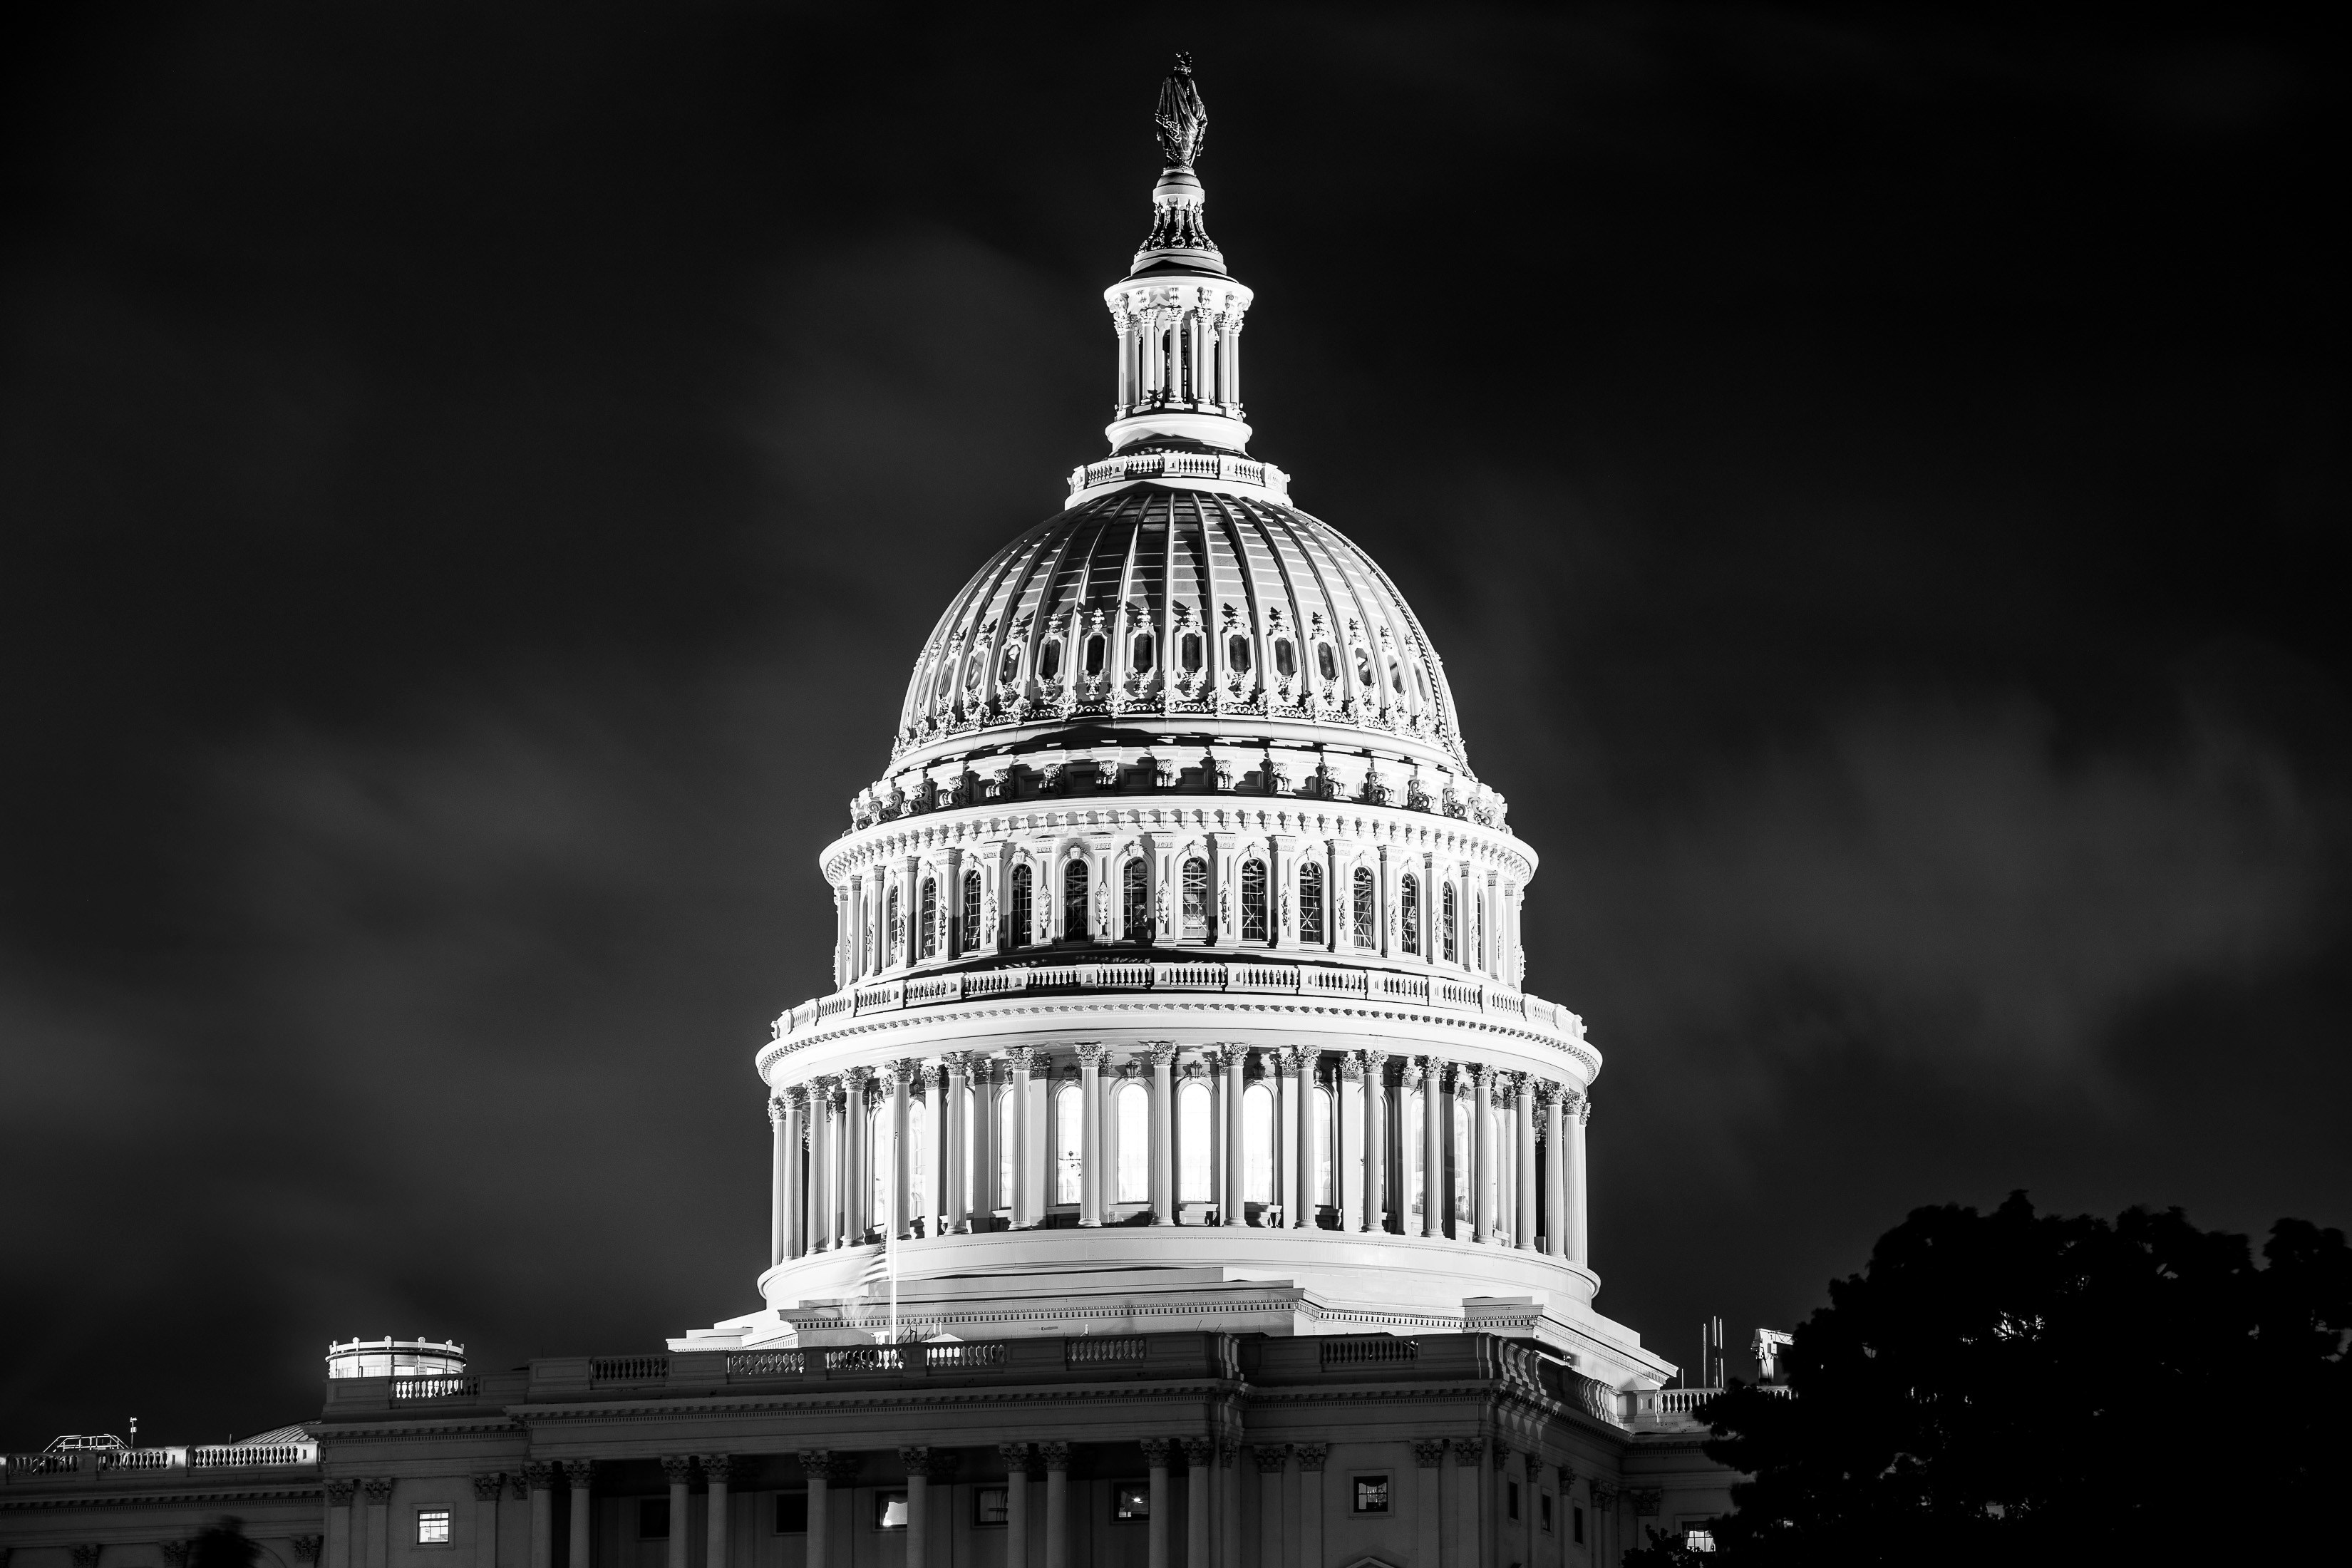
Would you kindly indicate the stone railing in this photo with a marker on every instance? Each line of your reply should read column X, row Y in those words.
column 1223, row 467
column 449, row 1386
column 608, row 1369
column 1440, row 991
column 157, row 1463
column 1675, row 1409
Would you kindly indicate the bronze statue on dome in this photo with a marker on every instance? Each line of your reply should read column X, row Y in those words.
column 1182, row 118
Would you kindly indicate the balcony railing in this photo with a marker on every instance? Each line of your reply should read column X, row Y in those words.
column 1223, row 467
column 1676, row 1409
column 1436, row 991
column 157, row 1463
column 445, row 1387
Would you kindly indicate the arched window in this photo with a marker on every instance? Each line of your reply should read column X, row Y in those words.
column 1049, row 660
column 897, row 923
column 1396, row 675
column 971, row 911
column 1237, row 654
column 946, row 682
column 1073, row 901
column 930, row 929
column 1257, row 1143
column 1134, row 1104
column 1327, row 663
column 975, row 671
column 1140, row 652
column 1310, row 904
column 1095, row 657
column 1477, row 936
column 1254, row 901
column 1023, row 909
column 1365, row 910
column 1196, row 900
column 1134, row 903
column 1446, row 923
column 1286, row 661
column 1192, row 652
column 1421, row 685
column 1010, row 670
column 1067, row 1127
column 1193, row 1162
column 1322, row 1177
column 1466, row 1166
column 918, row 1156
column 1409, row 912
column 1363, row 667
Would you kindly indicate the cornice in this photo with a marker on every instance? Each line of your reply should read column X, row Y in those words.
column 1072, row 1396
column 298, row 1490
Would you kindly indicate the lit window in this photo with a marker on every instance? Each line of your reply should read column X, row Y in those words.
column 1371, row 1494
column 1446, row 923
column 1254, row 901
column 652, row 1519
column 1193, row 1142
column 1323, row 1148
column 889, row 1510
column 1135, row 904
column 1066, row 1103
column 930, row 918
column 971, row 911
column 992, row 1505
column 897, row 923
column 1408, row 913
column 1130, row 1500
column 1257, row 1141
column 1698, row 1538
column 433, row 1526
column 1022, row 881
column 1196, row 900
column 1134, row 1144
column 1366, row 928
column 791, row 1513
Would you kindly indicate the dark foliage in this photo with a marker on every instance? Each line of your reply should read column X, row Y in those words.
column 223, row 1544
column 2017, row 1388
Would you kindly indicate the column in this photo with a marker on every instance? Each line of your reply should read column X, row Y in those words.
column 1604, row 1523
column 1310, row 1502
column 878, row 919
column 678, row 1470
column 919, row 1506
column 1554, row 1171
column 1285, row 1119
column 910, row 895
column 1090, row 1054
column 952, row 936
column 820, row 1114
column 1350, row 1206
column 841, row 935
column 1228, row 1507
column 718, row 1471
column 1155, row 1455
column 1302, row 1151
column 984, row 1155
column 1376, row 1140
column 1163, row 1132
column 1465, row 1504
column 935, row 1135
column 780, row 1194
column 1490, row 924
column 796, row 1168
column 1282, row 866
column 1338, row 897
column 540, row 1479
column 1523, row 1108
column 1580, row 1111
column 818, row 1465
column 378, row 1520
column 577, row 1553
column 857, row 1157
column 1432, row 1147
column 1025, row 1177
column 486, row 1518
column 1272, row 1458
column 1057, row 1501
column 340, row 1493
column 1384, row 895
column 1232, row 360
column 1235, row 1208
column 1200, row 1471
column 956, row 1181
column 1481, row 1136
column 900, row 1087
column 1428, row 1524
column 1016, row 1504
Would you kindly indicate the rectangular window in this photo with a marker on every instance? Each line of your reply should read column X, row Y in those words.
column 791, row 1513
column 1130, row 1501
column 992, row 1505
column 652, row 1519
column 432, row 1527
column 1543, row 1511
column 1371, row 1494
column 1576, row 1520
column 1698, row 1538
column 890, row 1510
column 1515, row 1500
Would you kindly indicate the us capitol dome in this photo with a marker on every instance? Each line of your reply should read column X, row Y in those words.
column 1177, row 959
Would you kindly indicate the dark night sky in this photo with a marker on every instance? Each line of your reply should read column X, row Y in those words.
column 473, row 482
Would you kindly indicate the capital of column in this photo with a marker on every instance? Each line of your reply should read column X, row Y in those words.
column 856, row 1078
column 1429, row 1453
column 1198, row 1451
column 341, row 1489
column 902, row 1070
column 1312, row 1454
column 486, row 1488
column 1156, row 1452
column 1413, row 1072
column 1053, row 1455
column 1271, row 1457
column 1016, row 1457
column 378, row 1490
column 1022, row 1058
column 796, row 1097
column 1351, row 1069
column 1164, row 1052
column 1646, row 1501
column 306, row 1548
column 957, row 1063
column 719, row 1470
column 1090, row 1053
column 776, row 1111
column 677, row 1469
column 917, row 1458
column 1546, row 1093
column 933, row 1075
column 1604, row 1497
column 825, row 1465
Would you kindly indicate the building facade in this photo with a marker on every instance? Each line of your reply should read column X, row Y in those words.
column 1179, row 1170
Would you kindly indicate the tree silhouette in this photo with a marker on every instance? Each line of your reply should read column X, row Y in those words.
column 223, row 1544
column 2026, row 1388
